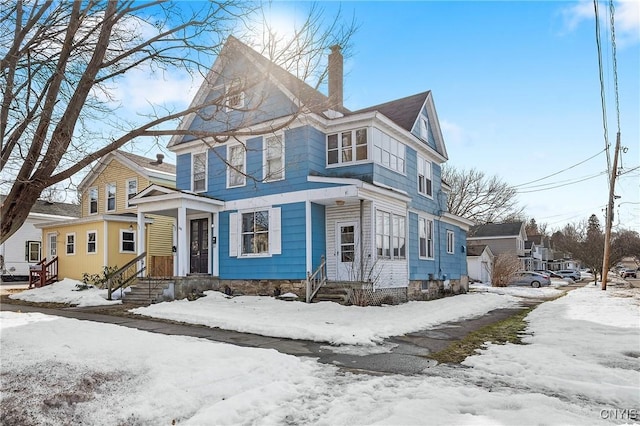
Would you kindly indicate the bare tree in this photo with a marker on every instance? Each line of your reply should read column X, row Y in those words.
column 505, row 265
column 480, row 198
column 61, row 64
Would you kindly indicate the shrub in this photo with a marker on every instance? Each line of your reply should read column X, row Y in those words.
column 505, row 266
column 98, row 280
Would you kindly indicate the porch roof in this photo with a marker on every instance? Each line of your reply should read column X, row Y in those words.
column 165, row 201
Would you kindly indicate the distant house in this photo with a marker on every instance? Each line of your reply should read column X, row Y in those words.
column 24, row 248
column 508, row 237
column 106, row 234
column 480, row 263
column 356, row 193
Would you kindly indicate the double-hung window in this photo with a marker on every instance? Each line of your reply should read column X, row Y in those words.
column 132, row 189
column 92, row 242
column 425, row 238
column 274, row 158
column 32, row 251
column 255, row 233
column 425, row 186
column 235, row 167
column 424, row 128
column 199, row 175
column 71, row 243
column 347, row 147
column 390, row 235
column 111, row 197
column 127, row 241
column 93, row 200
column 450, row 242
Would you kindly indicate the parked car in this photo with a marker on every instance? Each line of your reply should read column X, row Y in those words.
column 530, row 278
column 548, row 273
column 628, row 273
column 570, row 273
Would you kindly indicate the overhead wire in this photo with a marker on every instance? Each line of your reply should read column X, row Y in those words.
column 564, row 184
column 561, row 171
column 602, row 88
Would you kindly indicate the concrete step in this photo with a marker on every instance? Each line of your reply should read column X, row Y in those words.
column 140, row 293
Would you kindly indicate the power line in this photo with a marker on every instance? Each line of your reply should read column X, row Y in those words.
column 560, row 183
column 561, row 171
column 565, row 184
column 602, row 89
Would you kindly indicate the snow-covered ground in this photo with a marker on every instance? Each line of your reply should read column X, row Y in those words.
column 66, row 291
column 580, row 365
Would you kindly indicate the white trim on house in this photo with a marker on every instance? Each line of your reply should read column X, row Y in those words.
column 206, row 171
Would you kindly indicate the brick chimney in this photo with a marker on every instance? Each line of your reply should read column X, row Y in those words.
column 335, row 77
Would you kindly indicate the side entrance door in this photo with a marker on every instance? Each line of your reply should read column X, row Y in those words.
column 52, row 245
column 347, row 246
column 199, row 244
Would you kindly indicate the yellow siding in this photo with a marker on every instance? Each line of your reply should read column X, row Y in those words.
column 115, row 257
column 160, row 234
column 118, row 174
column 74, row 265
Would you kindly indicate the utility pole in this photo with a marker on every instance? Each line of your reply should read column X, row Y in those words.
column 607, row 229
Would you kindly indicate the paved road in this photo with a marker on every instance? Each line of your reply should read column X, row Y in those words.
column 405, row 353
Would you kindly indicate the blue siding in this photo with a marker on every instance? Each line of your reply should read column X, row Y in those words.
column 318, row 234
column 183, row 172
column 291, row 264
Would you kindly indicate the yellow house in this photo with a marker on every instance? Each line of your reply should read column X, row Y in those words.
column 108, row 231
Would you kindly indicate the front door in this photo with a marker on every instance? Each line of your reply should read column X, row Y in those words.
column 347, row 251
column 52, row 245
column 199, row 246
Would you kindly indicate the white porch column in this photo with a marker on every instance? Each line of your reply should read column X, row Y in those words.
column 308, row 236
column 183, row 244
column 140, row 241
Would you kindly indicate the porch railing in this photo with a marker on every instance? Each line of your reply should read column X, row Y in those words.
column 316, row 280
column 43, row 273
column 126, row 274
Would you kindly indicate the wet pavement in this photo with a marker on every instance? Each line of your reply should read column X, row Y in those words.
column 400, row 355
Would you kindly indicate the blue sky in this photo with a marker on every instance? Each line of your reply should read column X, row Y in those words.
column 517, row 92
column 516, row 86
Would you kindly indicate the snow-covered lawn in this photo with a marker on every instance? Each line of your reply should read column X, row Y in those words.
column 66, row 291
column 581, row 366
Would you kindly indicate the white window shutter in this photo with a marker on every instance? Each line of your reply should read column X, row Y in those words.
column 275, row 238
column 233, row 234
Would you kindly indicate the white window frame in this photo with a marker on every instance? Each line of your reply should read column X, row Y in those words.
column 256, row 234
column 451, row 240
column 72, row 244
column 391, row 231
column 348, row 154
column 234, row 101
column 130, row 194
column 28, row 252
column 194, row 157
column 268, row 157
column 427, row 225
column 274, row 233
column 52, row 243
column 122, row 241
column 424, row 176
column 388, row 152
column 232, row 168
column 115, row 197
column 95, row 242
column 93, row 190
column 424, row 127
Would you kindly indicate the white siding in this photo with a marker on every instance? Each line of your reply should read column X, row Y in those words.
column 350, row 212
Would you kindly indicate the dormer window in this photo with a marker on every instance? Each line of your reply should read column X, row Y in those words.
column 235, row 96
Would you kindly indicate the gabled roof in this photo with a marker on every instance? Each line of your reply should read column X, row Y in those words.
column 476, row 250
column 147, row 167
column 52, row 208
column 307, row 95
column 404, row 112
column 509, row 229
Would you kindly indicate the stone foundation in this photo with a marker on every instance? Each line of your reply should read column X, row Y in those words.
column 186, row 286
column 436, row 289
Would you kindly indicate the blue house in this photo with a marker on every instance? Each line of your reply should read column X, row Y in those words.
column 293, row 182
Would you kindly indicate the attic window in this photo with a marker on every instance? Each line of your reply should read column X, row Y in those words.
column 424, row 128
column 235, row 96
